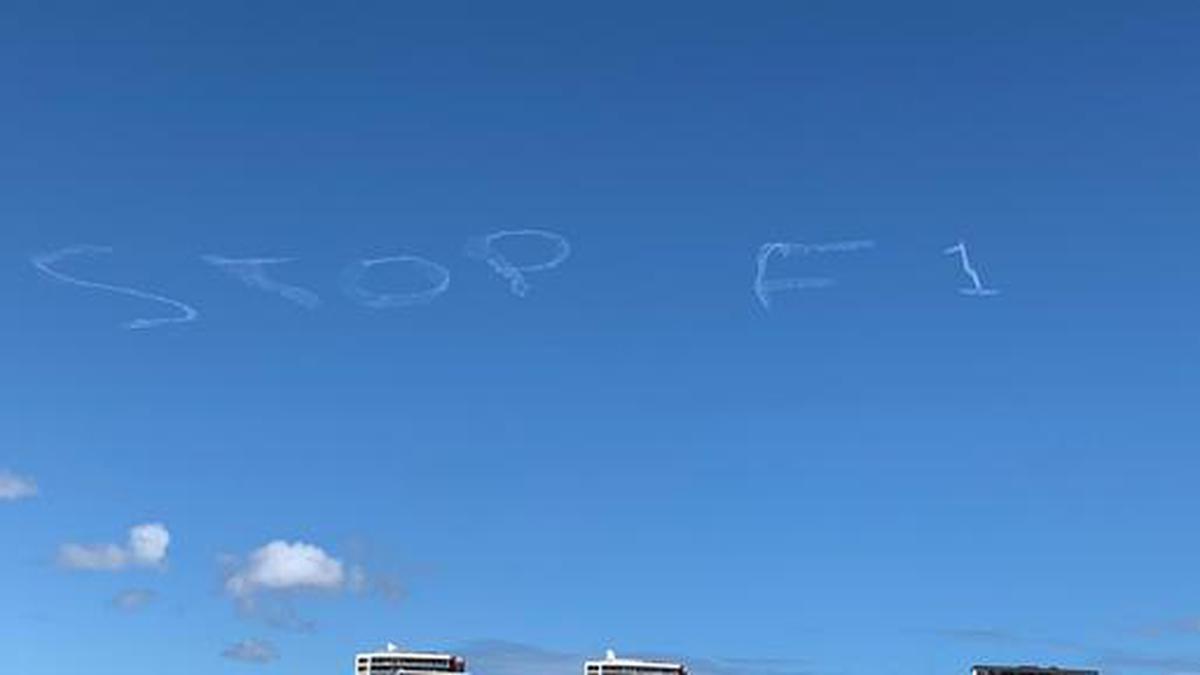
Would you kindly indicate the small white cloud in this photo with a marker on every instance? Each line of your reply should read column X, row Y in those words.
column 146, row 547
column 14, row 487
column 251, row 651
column 283, row 566
column 265, row 584
column 148, row 544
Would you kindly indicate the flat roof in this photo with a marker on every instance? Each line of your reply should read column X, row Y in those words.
column 633, row 662
column 409, row 655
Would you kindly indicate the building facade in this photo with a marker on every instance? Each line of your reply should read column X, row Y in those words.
column 393, row 661
column 611, row 665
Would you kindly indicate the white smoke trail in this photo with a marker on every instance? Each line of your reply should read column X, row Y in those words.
column 483, row 248
column 977, row 287
column 438, row 277
column 44, row 261
column 253, row 273
column 763, row 286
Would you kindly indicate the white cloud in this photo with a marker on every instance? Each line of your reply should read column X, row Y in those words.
column 265, row 584
column 146, row 547
column 283, row 566
column 148, row 544
column 251, row 651
column 14, row 487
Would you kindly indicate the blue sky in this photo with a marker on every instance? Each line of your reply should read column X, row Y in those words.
column 883, row 473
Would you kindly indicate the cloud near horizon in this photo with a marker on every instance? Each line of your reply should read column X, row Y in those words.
column 1104, row 659
column 498, row 657
column 146, row 547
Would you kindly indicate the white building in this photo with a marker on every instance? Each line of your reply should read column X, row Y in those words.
column 393, row 661
column 611, row 665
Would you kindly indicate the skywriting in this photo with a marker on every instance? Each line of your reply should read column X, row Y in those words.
column 658, row 338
